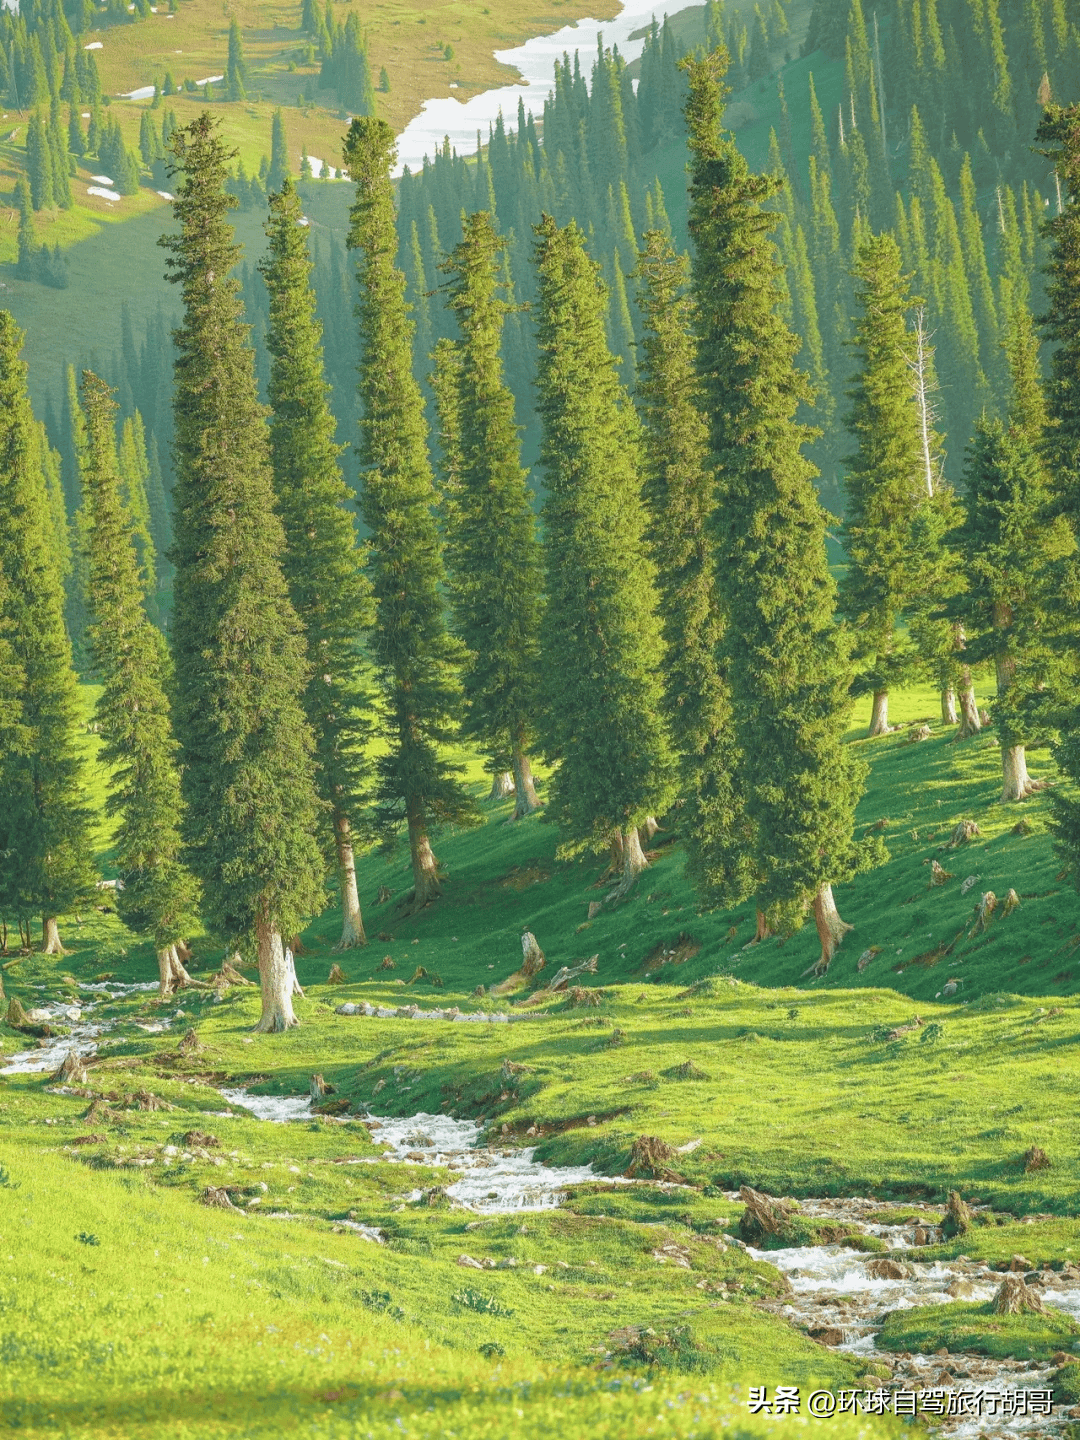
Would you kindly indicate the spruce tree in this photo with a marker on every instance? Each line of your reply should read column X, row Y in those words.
column 680, row 491
column 492, row 553
column 418, row 661
column 39, row 163
column 1059, row 135
column 45, row 843
column 247, row 749
column 601, row 644
column 1007, row 545
column 788, row 665
column 236, row 74
column 279, row 155
column 323, row 566
column 131, row 662
column 884, row 479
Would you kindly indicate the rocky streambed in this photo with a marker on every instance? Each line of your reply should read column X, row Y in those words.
column 493, row 1179
column 842, row 1295
column 77, row 1026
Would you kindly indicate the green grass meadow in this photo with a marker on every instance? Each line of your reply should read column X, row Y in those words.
column 130, row 1308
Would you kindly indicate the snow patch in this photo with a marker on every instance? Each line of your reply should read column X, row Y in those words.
column 144, row 92
column 94, row 45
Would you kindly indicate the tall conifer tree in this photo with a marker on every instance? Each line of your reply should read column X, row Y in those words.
column 601, row 644
column 680, row 490
column 45, row 857
column 492, row 551
column 884, row 479
column 788, row 665
column 158, row 892
column 322, row 563
column 417, row 658
column 249, row 773
column 1059, row 134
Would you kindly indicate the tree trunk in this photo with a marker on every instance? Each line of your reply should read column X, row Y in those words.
column 276, row 978
column 948, row 706
column 524, row 788
column 879, row 715
column 425, row 867
column 830, row 928
column 171, row 973
column 502, row 785
column 352, row 922
column 970, row 724
column 295, row 988
column 1017, row 784
column 633, row 863
column 763, row 930
column 651, row 826
column 50, row 937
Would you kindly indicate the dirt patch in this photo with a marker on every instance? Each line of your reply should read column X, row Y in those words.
column 669, row 952
column 521, row 877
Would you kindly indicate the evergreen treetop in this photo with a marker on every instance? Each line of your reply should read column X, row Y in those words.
column 417, row 658
column 788, row 664
column 238, row 648
column 158, row 893
column 601, row 636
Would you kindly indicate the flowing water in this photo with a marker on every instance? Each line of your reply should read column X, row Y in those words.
column 84, row 1029
column 493, row 1180
column 834, row 1289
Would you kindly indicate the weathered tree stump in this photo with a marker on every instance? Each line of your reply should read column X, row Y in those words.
column 957, row 1219
column 1016, row 1298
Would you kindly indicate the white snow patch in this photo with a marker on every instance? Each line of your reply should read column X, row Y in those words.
column 164, row 194
column 210, row 79
column 102, row 179
column 94, row 45
column 144, row 92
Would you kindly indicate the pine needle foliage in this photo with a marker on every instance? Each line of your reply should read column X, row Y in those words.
column 240, row 669
column 788, row 663
column 601, row 642
column 322, row 562
column 492, row 552
column 45, row 848
column 417, row 659
column 1059, row 134
column 680, row 491
column 131, row 662
column 884, row 473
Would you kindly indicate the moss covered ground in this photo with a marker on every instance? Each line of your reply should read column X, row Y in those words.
column 131, row 1308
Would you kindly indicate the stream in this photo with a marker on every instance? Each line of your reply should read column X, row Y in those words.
column 83, row 1028
column 840, row 1294
column 493, row 1181
column 834, row 1289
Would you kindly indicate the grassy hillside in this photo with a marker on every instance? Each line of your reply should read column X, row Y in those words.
column 131, row 1308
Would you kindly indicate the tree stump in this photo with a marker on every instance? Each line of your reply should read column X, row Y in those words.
column 337, row 976
column 964, row 831
column 1016, row 1298
column 532, row 961
column 957, row 1219
column 318, row 1088
column 72, row 1071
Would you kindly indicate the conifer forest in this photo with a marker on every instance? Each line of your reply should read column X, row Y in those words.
column 539, row 719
